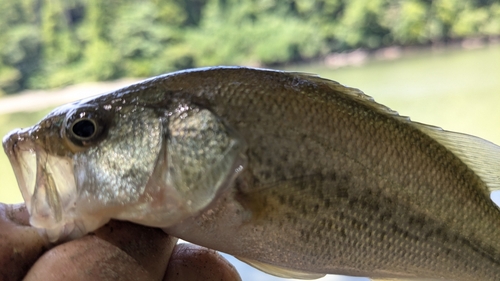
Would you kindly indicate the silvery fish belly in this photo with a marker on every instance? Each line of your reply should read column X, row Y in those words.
column 296, row 175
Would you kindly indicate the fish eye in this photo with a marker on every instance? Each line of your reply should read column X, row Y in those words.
column 84, row 129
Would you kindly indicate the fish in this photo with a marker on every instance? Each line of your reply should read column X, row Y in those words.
column 294, row 174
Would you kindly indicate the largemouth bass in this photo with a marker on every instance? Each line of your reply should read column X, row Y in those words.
column 294, row 174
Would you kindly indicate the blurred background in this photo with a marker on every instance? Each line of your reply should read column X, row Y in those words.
column 436, row 61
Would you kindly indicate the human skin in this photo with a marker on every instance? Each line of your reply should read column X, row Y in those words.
column 117, row 251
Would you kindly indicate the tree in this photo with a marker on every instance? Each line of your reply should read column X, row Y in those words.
column 50, row 43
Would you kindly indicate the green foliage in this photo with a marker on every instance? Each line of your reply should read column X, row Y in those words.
column 18, row 58
column 409, row 21
column 470, row 22
column 19, row 44
column 141, row 33
column 50, row 43
column 242, row 32
column 9, row 77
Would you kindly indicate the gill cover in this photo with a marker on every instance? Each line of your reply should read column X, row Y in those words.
column 200, row 157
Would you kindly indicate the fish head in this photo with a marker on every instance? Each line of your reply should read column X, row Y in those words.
column 91, row 161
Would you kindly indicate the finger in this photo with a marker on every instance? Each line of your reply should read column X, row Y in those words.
column 118, row 251
column 20, row 244
column 191, row 262
column 150, row 247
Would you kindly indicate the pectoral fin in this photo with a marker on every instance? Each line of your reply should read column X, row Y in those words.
column 281, row 271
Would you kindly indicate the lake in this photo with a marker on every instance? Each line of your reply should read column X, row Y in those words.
column 458, row 90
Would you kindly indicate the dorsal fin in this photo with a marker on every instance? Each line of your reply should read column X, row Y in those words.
column 354, row 93
column 481, row 156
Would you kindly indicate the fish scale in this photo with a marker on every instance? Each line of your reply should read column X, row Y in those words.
column 296, row 175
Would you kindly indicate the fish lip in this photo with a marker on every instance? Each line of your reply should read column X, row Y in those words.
column 15, row 142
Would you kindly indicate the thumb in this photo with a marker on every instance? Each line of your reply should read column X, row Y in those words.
column 117, row 251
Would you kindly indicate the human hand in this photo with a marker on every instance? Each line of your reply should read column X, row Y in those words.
column 117, row 251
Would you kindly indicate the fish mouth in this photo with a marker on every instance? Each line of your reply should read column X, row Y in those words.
column 22, row 156
column 46, row 182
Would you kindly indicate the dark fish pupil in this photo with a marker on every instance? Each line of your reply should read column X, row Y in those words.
column 84, row 128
